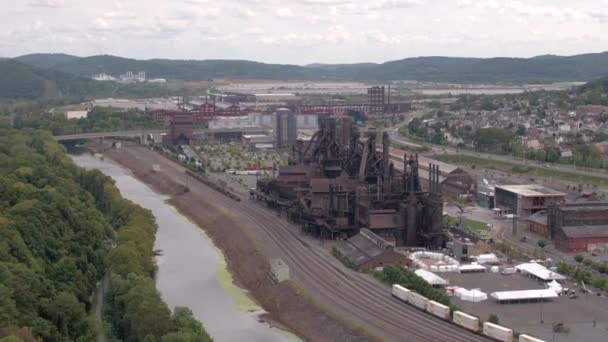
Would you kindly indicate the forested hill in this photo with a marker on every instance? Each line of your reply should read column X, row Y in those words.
column 441, row 69
column 25, row 82
column 45, row 60
column 61, row 229
column 19, row 81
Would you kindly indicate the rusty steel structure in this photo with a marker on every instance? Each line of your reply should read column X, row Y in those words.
column 337, row 183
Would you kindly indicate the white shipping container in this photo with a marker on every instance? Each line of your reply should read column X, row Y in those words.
column 417, row 300
column 528, row 338
column 496, row 331
column 401, row 292
column 466, row 321
column 438, row 309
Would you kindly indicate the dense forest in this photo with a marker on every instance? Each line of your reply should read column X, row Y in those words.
column 61, row 229
column 435, row 69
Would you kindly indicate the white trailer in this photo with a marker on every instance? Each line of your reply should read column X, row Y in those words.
column 417, row 300
column 438, row 309
column 466, row 321
column 401, row 292
column 528, row 338
column 497, row 332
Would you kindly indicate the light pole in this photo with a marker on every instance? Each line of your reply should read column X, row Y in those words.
column 541, row 309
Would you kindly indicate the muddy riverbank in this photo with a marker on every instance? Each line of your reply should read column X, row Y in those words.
column 284, row 302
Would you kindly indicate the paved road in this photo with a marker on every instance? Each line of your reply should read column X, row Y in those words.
column 399, row 138
column 138, row 133
column 352, row 295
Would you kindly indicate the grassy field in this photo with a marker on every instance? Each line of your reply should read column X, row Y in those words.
column 511, row 168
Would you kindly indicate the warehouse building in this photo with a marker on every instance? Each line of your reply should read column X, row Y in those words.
column 578, row 227
column 537, row 223
column 525, row 200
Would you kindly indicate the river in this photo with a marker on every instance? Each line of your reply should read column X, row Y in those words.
column 192, row 271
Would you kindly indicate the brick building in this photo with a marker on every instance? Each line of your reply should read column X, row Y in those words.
column 537, row 223
column 376, row 99
column 181, row 131
column 578, row 227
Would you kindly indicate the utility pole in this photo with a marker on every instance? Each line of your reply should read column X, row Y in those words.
column 541, row 309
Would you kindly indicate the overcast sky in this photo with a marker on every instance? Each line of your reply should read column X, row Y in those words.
column 303, row 31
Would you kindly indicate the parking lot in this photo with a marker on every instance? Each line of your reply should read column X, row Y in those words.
column 578, row 314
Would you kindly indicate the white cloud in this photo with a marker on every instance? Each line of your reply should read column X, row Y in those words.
column 304, row 31
column 101, row 23
column 47, row 3
column 284, row 12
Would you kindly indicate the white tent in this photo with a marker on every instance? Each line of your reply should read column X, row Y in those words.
column 490, row 258
column 471, row 268
column 524, row 295
column 431, row 278
column 539, row 271
column 474, row 295
column 555, row 286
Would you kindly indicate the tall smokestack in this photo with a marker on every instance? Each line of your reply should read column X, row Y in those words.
column 386, row 145
column 404, row 175
column 430, row 177
column 438, row 181
column 390, row 109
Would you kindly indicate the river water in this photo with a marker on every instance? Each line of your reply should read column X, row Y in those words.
column 192, row 271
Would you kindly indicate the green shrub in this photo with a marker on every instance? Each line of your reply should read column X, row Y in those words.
column 408, row 279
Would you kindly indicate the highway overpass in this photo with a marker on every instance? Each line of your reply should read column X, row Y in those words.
column 140, row 133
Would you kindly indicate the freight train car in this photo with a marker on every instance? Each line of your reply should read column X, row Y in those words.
column 528, row 338
column 215, row 186
column 466, row 321
column 401, row 292
column 417, row 300
column 438, row 309
column 497, row 332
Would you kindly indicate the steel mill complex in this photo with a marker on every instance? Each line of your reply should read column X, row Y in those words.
column 337, row 183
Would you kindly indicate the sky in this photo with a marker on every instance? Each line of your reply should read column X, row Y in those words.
column 303, row 31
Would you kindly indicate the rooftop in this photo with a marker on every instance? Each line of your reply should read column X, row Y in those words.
column 585, row 231
column 431, row 277
column 539, row 217
column 524, row 295
column 539, row 271
column 586, row 206
column 363, row 247
column 531, row 190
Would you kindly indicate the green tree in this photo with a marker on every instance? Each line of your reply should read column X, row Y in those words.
column 493, row 318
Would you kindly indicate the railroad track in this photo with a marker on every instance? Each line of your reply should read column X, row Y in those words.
column 368, row 297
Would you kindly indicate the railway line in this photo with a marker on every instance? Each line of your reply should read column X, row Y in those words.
column 366, row 300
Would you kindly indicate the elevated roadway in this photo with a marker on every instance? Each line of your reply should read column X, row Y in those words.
column 139, row 133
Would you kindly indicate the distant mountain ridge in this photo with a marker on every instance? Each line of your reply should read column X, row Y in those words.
column 46, row 60
column 546, row 68
column 19, row 81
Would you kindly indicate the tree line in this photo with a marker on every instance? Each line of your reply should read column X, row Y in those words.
column 58, row 226
column 99, row 119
